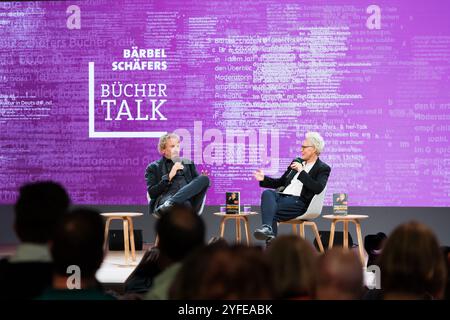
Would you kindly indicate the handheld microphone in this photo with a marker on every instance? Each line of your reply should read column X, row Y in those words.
column 293, row 172
column 176, row 159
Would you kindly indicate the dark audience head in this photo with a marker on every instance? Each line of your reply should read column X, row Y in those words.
column 446, row 252
column 180, row 231
column 38, row 209
column 412, row 264
column 221, row 272
column 373, row 244
column 79, row 241
column 296, row 263
column 340, row 275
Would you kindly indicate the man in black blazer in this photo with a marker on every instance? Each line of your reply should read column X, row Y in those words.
column 172, row 180
column 304, row 178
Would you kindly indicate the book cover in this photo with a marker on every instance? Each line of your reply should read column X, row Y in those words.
column 232, row 202
column 340, row 203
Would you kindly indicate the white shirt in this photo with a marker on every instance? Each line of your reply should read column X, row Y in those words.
column 296, row 186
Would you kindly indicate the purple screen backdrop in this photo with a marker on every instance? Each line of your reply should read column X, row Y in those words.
column 87, row 87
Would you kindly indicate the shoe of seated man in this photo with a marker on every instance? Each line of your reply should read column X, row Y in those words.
column 264, row 233
column 269, row 240
column 166, row 206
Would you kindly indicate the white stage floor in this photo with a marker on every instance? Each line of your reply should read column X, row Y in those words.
column 114, row 270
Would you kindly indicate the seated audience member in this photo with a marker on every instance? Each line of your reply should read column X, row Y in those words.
column 373, row 244
column 340, row 275
column 180, row 232
column 220, row 272
column 77, row 252
column 38, row 209
column 412, row 265
column 446, row 251
column 295, row 262
column 141, row 279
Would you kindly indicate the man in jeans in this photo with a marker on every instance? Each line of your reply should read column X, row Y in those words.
column 304, row 178
column 172, row 180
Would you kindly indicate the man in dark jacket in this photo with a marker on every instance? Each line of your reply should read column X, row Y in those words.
column 172, row 180
column 304, row 178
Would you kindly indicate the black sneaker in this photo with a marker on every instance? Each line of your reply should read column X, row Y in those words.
column 166, row 206
column 269, row 241
column 156, row 214
column 264, row 233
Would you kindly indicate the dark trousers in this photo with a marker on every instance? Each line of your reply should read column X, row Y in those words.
column 194, row 193
column 277, row 207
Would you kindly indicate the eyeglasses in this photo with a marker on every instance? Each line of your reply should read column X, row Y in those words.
column 304, row 147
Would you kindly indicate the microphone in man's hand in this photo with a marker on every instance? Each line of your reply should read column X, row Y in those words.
column 176, row 159
column 293, row 172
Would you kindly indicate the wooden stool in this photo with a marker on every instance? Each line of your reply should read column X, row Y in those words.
column 301, row 232
column 355, row 218
column 128, row 230
column 238, row 218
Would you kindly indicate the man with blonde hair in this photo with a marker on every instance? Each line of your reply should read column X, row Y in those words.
column 305, row 177
column 172, row 180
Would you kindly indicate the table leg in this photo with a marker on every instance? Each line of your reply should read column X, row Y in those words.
column 238, row 230
column 247, row 234
column 126, row 232
column 332, row 228
column 345, row 245
column 360, row 241
column 133, row 249
column 222, row 227
column 105, row 243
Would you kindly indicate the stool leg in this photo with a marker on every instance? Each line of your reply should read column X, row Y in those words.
column 247, row 234
column 238, row 230
column 294, row 229
column 133, row 249
column 222, row 227
column 156, row 241
column 126, row 240
column 360, row 241
column 345, row 245
column 317, row 235
column 333, row 227
column 105, row 243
